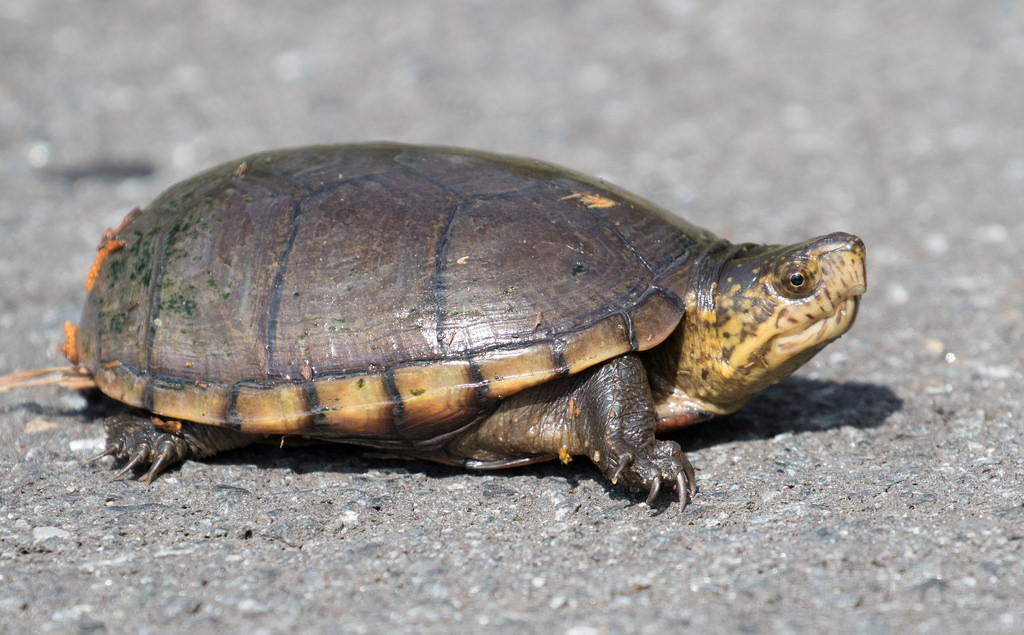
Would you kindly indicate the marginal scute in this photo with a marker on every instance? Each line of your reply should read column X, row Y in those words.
column 122, row 383
column 274, row 409
column 507, row 371
column 355, row 406
column 594, row 344
column 654, row 319
column 204, row 403
column 436, row 398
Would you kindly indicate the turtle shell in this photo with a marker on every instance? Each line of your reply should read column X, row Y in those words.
column 381, row 294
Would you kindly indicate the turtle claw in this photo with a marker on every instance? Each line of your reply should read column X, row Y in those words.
column 142, row 455
column 686, row 483
column 111, row 450
column 651, row 467
column 624, row 462
column 655, row 488
column 691, row 478
column 131, row 465
column 683, row 487
column 165, row 456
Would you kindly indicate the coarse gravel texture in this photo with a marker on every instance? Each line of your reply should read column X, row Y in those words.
column 879, row 490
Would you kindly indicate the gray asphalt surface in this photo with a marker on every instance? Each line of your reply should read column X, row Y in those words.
column 879, row 490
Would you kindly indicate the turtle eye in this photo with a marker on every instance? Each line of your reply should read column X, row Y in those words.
column 797, row 279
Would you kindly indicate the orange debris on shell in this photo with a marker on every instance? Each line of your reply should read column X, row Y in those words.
column 69, row 348
column 105, row 250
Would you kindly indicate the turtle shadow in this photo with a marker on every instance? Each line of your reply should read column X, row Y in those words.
column 796, row 405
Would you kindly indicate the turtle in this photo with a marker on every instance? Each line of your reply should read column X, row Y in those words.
column 452, row 305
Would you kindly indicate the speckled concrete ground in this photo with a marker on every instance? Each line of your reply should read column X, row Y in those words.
column 879, row 490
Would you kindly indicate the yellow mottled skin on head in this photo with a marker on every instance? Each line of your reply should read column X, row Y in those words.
column 760, row 327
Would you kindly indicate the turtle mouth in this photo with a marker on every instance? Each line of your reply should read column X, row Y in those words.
column 819, row 330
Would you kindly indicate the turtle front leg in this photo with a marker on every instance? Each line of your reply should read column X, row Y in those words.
column 606, row 414
column 150, row 442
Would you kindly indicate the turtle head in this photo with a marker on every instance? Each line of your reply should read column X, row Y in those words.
column 755, row 313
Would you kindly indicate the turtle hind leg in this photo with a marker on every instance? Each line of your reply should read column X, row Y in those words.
column 605, row 413
column 148, row 442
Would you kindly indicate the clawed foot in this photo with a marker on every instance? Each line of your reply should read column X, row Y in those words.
column 651, row 467
column 143, row 444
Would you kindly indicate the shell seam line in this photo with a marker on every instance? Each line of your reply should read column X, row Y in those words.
column 440, row 278
column 631, row 329
column 231, row 411
column 277, row 290
column 438, row 290
column 558, row 347
column 483, row 402
column 159, row 269
column 398, row 404
column 601, row 218
column 313, row 406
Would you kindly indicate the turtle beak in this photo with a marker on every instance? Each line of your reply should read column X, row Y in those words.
column 842, row 258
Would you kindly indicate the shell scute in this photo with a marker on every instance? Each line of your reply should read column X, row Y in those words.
column 281, row 408
column 357, row 284
column 435, row 399
column 356, row 406
column 506, row 371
